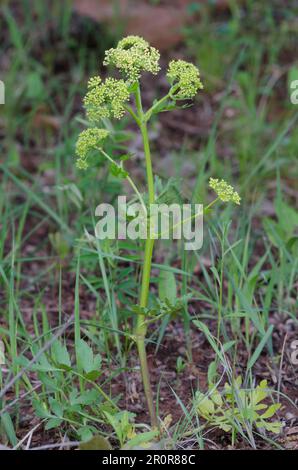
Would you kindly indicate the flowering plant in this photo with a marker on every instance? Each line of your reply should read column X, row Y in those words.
column 111, row 99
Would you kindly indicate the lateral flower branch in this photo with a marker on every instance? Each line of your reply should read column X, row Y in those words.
column 111, row 99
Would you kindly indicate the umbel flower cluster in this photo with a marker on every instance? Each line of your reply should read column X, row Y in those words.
column 185, row 79
column 109, row 99
column 89, row 139
column 106, row 100
column 224, row 191
column 132, row 56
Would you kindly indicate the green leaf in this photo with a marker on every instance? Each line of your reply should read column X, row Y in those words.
column 117, row 171
column 212, row 373
column 41, row 409
column 142, row 441
column 274, row 232
column 287, row 217
column 225, row 427
column 216, row 274
column 43, row 364
column 167, row 288
column 85, row 356
column 53, row 423
column 35, row 87
column 86, row 398
column 60, row 354
column 56, row 407
column 225, row 414
column 97, row 361
column 260, row 392
column 212, row 341
column 161, row 308
column 205, row 406
column 228, row 345
column 216, row 398
column 85, row 433
column 92, row 375
column 259, row 348
column 8, row 426
column 96, row 368
column 292, row 245
column 274, row 427
column 250, row 311
column 271, row 411
column 51, row 383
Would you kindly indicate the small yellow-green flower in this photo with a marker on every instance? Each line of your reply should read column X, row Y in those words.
column 132, row 56
column 88, row 140
column 107, row 99
column 224, row 191
column 185, row 78
column 93, row 82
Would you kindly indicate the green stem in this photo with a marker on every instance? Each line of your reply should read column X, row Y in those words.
column 219, row 320
column 133, row 115
column 144, row 131
column 155, row 106
column 170, row 95
column 141, row 327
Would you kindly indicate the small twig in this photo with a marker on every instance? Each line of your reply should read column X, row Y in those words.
column 55, row 446
column 27, row 436
column 280, row 365
column 12, row 403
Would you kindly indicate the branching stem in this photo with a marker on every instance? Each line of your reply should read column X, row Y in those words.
column 141, row 327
